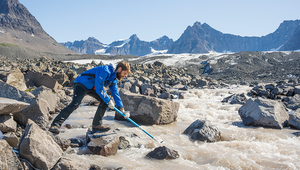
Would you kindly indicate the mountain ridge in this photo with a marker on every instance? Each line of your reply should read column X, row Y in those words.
column 202, row 38
column 18, row 26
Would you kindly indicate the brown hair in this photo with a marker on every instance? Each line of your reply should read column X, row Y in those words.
column 125, row 66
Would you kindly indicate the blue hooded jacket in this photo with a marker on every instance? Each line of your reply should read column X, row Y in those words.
column 104, row 76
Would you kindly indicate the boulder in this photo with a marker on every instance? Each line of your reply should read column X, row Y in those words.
column 292, row 102
column 104, row 144
column 38, row 111
column 70, row 164
column 7, row 123
column 203, row 131
column 61, row 78
column 163, row 152
column 8, row 106
column 235, row 99
column 45, row 93
column 11, row 139
column 148, row 110
column 146, row 89
column 297, row 90
column 10, row 92
column 38, row 147
column 134, row 89
column 8, row 158
column 264, row 113
column 14, row 78
column 41, row 79
column 294, row 119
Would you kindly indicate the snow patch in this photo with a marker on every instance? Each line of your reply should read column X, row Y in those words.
column 2, row 31
column 125, row 42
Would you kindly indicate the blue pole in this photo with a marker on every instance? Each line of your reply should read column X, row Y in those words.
column 136, row 124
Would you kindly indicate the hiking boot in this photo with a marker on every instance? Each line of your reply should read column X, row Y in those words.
column 54, row 129
column 100, row 128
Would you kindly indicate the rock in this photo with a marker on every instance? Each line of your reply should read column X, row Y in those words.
column 293, row 102
column 135, row 89
column 297, row 90
column 62, row 142
column 127, row 85
column 164, row 95
column 10, row 92
column 163, row 152
column 146, row 89
column 14, row 78
column 264, row 113
column 38, row 147
column 294, row 119
column 61, row 78
column 104, row 144
column 203, row 131
column 8, row 106
column 45, row 93
column 38, row 111
column 235, row 99
column 77, row 142
column 8, row 158
column 41, row 79
column 123, row 143
column 7, row 123
column 11, row 139
column 148, row 110
column 70, row 164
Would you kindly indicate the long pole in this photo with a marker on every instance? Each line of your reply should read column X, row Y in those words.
column 136, row 125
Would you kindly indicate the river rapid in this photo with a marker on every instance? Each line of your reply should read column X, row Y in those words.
column 241, row 147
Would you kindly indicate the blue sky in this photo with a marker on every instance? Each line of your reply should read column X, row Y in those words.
column 110, row 20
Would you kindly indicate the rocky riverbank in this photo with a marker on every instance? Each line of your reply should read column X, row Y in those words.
column 33, row 90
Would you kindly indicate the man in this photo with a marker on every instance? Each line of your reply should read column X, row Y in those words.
column 92, row 82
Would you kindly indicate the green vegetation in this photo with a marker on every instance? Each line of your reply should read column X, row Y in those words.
column 7, row 45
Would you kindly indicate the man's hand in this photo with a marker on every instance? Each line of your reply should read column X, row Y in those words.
column 111, row 105
column 126, row 113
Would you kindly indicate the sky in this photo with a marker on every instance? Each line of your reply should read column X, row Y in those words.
column 110, row 20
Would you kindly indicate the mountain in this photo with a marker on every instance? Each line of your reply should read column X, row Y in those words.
column 89, row 46
column 18, row 26
column 293, row 43
column 201, row 38
column 131, row 46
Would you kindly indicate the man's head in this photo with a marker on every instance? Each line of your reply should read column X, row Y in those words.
column 123, row 69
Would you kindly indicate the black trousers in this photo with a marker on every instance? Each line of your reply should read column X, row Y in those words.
column 79, row 92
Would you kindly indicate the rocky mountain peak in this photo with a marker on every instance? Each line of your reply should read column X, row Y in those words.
column 14, row 15
column 18, row 26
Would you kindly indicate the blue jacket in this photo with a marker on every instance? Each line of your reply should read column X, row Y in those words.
column 104, row 76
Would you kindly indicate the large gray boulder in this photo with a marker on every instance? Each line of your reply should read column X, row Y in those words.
column 149, row 110
column 38, row 111
column 46, row 93
column 40, row 108
column 8, row 106
column 14, row 77
column 38, row 147
column 203, row 130
column 294, row 119
column 9, row 91
column 8, row 158
column 41, row 79
column 264, row 113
